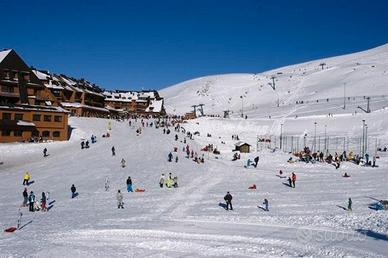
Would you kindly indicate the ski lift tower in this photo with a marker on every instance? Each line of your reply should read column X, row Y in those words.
column 195, row 109
column 200, row 107
column 367, row 106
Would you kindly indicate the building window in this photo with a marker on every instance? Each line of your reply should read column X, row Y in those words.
column 18, row 116
column 9, row 89
column 47, row 118
column 6, row 74
column 6, row 116
column 6, row 133
column 26, row 76
column 56, row 134
column 18, row 133
column 36, row 117
column 15, row 76
column 35, row 133
column 45, row 134
column 57, row 118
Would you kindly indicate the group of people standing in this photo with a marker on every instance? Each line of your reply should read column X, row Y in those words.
column 169, row 182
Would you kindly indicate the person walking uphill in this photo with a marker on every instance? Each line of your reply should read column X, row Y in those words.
column 120, row 203
column 129, row 184
column 73, row 191
column 31, row 200
column 113, row 151
column 350, row 204
column 43, row 202
column 25, row 197
column 293, row 178
column 228, row 199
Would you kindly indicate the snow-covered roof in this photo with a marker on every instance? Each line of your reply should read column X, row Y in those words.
column 50, row 85
column 240, row 143
column 4, row 54
column 93, row 92
column 79, row 105
column 120, row 96
column 155, row 106
column 41, row 75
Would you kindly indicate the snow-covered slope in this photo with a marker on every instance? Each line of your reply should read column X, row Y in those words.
column 306, row 221
column 360, row 74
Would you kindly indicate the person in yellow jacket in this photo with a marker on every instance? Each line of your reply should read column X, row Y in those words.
column 26, row 178
column 169, row 182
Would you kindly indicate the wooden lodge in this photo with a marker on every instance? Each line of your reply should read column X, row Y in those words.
column 28, row 110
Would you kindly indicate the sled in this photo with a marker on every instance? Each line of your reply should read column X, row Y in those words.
column 252, row 187
column 10, row 230
column 137, row 190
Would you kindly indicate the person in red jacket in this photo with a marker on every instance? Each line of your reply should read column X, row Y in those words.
column 293, row 178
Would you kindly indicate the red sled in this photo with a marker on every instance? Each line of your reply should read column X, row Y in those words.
column 10, row 230
column 253, row 187
column 139, row 190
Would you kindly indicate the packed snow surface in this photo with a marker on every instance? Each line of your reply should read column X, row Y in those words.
column 309, row 220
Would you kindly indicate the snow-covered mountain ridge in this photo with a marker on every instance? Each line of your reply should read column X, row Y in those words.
column 355, row 76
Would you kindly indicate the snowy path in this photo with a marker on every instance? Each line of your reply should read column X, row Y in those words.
column 187, row 221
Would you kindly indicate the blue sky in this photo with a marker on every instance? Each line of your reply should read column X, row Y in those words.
column 154, row 44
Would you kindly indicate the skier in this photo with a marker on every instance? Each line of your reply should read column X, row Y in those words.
column 120, row 203
column 31, row 200
column 87, row 145
column 43, row 202
column 129, row 184
column 123, row 163
column 228, row 199
column 175, row 182
column 25, row 197
column 374, row 161
column 26, row 178
column 256, row 161
column 249, row 163
column 106, row 183
column 73, row 191
column 45, row 152
column 266, row 204
column 82, row 145
column 176, row 137
column 350, row 204
column 293, row 179
column 113, row 151
column 161, row 181
column 366, row 159
column 176, row 159
column 170, row 157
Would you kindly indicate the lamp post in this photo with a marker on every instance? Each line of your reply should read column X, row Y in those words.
column 363, row 139
column 315, row 136
column 281, row 136
column 242, row 106
column 325, row 138
column 344, row 95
